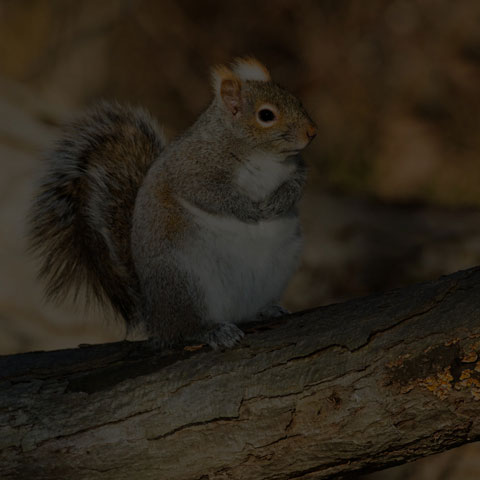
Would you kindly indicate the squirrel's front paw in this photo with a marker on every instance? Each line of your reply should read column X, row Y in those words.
column 224, row 335
column 272, row 311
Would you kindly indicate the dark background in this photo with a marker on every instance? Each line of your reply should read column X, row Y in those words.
column 394, row 86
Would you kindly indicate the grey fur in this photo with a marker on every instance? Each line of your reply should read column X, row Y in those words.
column 113, row 210
column 199, row 168
column 80, row 220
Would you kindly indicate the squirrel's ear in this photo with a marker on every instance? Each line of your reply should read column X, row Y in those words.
column 250, row 68
column 228, row 88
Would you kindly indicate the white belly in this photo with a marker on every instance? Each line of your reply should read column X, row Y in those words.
column 241, row 267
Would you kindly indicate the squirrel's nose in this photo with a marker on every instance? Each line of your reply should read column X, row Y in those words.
column 311, row 132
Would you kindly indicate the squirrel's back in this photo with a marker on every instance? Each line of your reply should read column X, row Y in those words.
column 81, row 219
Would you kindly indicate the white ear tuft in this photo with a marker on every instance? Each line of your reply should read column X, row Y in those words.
column 251, row 69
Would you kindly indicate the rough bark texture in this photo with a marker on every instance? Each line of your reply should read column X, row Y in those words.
column 346, row 388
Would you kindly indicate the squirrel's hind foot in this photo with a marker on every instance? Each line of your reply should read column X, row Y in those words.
column 224, row 335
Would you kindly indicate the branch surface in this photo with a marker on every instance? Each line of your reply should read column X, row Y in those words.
column 351, row 387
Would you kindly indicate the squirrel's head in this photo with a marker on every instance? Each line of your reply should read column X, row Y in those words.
column 259, row 111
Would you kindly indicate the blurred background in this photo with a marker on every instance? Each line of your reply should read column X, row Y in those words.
column 394, row 86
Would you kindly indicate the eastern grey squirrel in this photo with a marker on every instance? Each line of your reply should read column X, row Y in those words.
column 188, row 238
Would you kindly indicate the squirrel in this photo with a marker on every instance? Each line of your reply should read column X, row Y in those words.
column 189, row 238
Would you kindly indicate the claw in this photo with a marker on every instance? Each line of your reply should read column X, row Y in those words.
column 224, row 335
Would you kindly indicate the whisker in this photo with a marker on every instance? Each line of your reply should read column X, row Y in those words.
column 280, row 137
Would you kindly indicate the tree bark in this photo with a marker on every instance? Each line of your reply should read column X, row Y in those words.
column 351, row 387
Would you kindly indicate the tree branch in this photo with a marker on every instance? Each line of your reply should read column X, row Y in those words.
column 346, row 388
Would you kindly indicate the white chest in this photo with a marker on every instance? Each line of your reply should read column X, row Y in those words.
column 261, row 174
column 241, row 267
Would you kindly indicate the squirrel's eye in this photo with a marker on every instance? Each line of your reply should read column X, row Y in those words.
column 266, row 115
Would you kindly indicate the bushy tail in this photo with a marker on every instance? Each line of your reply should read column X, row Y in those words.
column 80, row 221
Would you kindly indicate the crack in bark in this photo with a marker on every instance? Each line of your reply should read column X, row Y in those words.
column 276, row 442
column 307, row 356
column 93, row 428
column 193, row 424
column 196, row 380
column 375, row 333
